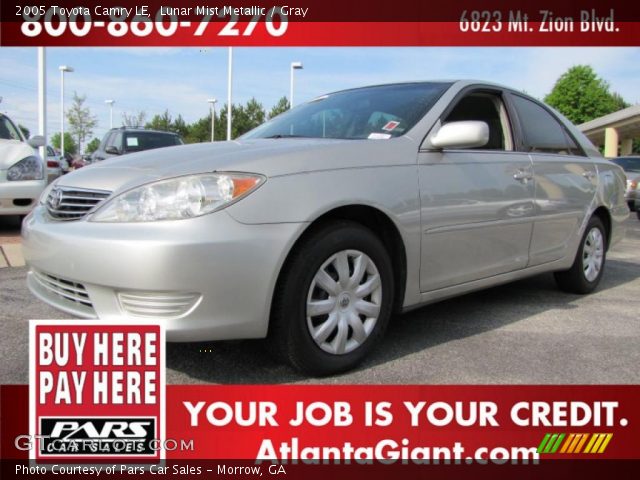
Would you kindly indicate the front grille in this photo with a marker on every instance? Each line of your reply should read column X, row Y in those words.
column 73, row 203
column 66, row 289
column 158, row 304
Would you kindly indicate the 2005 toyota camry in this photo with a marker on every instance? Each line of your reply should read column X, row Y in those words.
column 314, row 228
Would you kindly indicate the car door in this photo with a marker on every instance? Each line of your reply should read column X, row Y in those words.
column 565, row 180
column 476, row 204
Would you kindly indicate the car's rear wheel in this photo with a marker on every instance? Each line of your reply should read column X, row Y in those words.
column 638, row 214
column 334, row 300
column 586, row 271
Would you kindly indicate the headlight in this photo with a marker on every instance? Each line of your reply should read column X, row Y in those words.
column 46, row 191
column 178, row 198
column 29, row 168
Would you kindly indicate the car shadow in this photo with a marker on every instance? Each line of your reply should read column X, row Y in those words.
column 246, row 362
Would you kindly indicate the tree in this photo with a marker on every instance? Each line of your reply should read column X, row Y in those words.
column 580, row 95
column 160, row 122
column 134, row 120
column 81, row 122
column 280, row 107
column 25, row 131
column 70, row 146
column 166, row 123
column 93, row 145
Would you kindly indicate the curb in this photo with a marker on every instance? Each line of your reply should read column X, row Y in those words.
column 11, row 255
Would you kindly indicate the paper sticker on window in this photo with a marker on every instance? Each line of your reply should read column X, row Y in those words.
column 379, row 136
column 132, row 141
column 390, row 126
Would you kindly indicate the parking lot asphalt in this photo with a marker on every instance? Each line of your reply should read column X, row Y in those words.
column 527, row 332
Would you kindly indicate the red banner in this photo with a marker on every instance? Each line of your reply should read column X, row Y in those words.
column 319, row 24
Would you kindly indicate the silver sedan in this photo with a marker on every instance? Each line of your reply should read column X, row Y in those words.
column 316, row 227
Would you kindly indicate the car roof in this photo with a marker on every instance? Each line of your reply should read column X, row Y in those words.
column 450, row 82
column 140, row 130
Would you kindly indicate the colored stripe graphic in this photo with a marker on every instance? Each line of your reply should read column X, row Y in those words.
column 555, row 443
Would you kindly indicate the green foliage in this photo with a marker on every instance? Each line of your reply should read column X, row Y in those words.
column 280, row 107
column 166, row 123
column 70, row 145
column 580, row 95
column 245, row 117
column 93, row 145
column 81, row 122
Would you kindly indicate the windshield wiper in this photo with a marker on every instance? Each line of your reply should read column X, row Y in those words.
column 281, row 135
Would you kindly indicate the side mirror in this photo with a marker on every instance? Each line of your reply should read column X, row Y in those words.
column 36, row 141
column 464, row 134
column 112, row 150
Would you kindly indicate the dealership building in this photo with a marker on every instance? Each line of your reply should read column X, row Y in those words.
column 615, row 131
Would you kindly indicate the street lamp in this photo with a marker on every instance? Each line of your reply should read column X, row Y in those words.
column 63, row 69
column 110, row 103
column 294, row 66
column 229, row 86
column 212, row 104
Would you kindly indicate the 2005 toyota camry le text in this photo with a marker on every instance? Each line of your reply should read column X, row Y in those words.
column 315, row 228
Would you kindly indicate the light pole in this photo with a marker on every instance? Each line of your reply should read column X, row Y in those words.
column 42, row 100
column 229, row 85
column 63, row 69
column 110, row 103
column 294, row 66
column 212, row 104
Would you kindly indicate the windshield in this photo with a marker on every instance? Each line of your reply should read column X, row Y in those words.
column 8, row 131
column 372, row 112
column 628, row 164
column 138, row 141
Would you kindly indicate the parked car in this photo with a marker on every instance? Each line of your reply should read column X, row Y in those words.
column 631, row 167
column 632, row 195
column 22, row 171
column 54, row 170
column 317, row 226
column 119, row 141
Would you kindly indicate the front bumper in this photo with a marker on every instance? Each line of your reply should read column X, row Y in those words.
column 19, row 198
column 217, row 274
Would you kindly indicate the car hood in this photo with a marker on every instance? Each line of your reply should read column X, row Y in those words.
column 269, row 157
column 12, row 151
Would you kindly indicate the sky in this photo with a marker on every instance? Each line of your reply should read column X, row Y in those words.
column 182, row 79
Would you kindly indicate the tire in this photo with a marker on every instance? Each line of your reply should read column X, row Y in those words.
column 585, row 273
column 307, row 303
column 638, row 214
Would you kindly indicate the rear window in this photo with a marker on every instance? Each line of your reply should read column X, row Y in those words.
column 138, row 141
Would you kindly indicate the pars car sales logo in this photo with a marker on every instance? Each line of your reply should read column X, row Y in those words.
column 97, row 390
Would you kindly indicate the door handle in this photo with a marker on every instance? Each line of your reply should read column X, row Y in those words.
column 523, row 175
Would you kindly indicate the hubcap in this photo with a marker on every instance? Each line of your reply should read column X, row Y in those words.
column 343, row 304
column 593, row 254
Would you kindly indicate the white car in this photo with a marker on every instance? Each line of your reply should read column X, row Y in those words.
column 22, row 171
column 54, row 164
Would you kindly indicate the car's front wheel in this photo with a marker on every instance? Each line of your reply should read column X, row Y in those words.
column 334, row 300
column 586, row 271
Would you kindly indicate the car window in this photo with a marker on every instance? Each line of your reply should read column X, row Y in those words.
column 8, row 130
column 488, row 108
column 138, row 141
column 628, row 164
column 116, row 141
column 50, row 152
column 105, row 141
column 542, row 131
column 374, row 112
